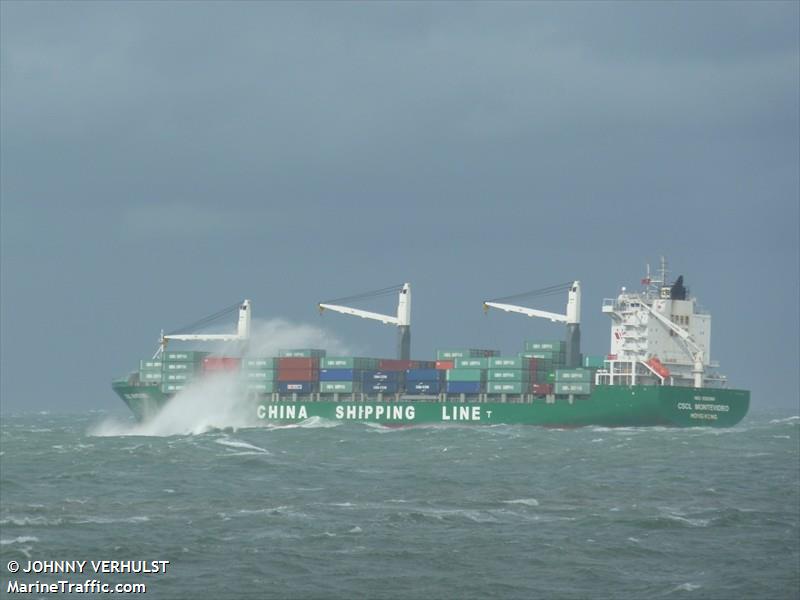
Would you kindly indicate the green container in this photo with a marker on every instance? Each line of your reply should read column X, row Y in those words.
column 150, row 376
column 509, row 362
column 302, row 353
column 262, row 387
column 261, row 375
column 171, row 388
column 545, row 377
column 464, row 353
column 466, row 374
column 506, row 387
column 341, row 387
column 254, row 364
column 471, row 363
column 573, row 387
column 150, row 365
column 181, row 367
column 579, row 375
column 177, row 376
column 594, row 362
column 508, row 375
column 194, row 356
column 542, row 354
column 349, row 362
column 547, row 346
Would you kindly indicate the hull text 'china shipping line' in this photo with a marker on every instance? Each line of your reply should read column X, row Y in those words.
column 658, row 371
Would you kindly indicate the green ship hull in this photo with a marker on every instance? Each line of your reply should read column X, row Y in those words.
column 609, row 406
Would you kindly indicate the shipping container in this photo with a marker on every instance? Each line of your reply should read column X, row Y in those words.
column 465, row 353
column 338, row 374
column 171, row 388
column 542, row 389
column 426, row 364
column 563, row 387
column 296, row 387
column 151, row 376
column 372, row 376
column 382, row 387
column 546, row 376
column 423, row 387
column 183, row 355
column 301, row 353
column 579, row 375
column 177, row 376
column 594, row 362
column 252, row 364
column 506, row 387
column 301, row 362
column 341, row 387
column 393, row 364
column 298, row 375
column 443, row 365
column 464, row 387
column 348, row 362
column 220, row 363
column 150, row 365
column 423, row 375
column 183, row 367
column 260, row 375
column 550, row 346
column 262, row 387
column 466, row 375
column 508, row 375
column 471, row 363
column 543, row 355
column 509, row 362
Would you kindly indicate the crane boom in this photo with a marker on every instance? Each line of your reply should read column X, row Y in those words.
column 402, row 320
column 242, row 332
column 528, row 312
column 572, row 318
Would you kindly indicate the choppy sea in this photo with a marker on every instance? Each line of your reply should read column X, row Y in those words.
column 329, row 510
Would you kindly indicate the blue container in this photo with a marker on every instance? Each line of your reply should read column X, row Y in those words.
column 423, row 387
column 336, row 374
column 372, row 376
column 464, row 387
column 423, row 374
column 295, row 387
column 384, row 387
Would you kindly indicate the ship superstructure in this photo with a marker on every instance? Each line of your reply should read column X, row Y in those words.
column 659, row 336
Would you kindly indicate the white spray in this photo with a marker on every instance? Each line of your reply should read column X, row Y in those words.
column 219, row 401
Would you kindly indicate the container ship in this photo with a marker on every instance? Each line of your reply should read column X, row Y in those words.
column 658, row 370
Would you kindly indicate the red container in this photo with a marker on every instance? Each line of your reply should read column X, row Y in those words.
column 215, row 364
column 542, row 389
column 391, row 364
column 533, row 364
column 444, row 365
column 298, row 363
column 298, row 374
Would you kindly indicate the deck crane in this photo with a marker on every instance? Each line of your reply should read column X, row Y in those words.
column 402, row 320
column 572, row 318
column 691, row 347
column 242, row 329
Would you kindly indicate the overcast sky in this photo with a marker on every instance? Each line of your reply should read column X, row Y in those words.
column 163, row 160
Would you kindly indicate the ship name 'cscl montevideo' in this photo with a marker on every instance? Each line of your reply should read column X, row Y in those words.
column 658, row 370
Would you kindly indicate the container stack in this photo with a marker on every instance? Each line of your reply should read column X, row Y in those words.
column 342, row 374
column 546, row 357
column 150, row 371
column 298, row 374
column 179, row 368
column 574, row 381
column 509, row 375
column 424, row 381
column 301, row 353
column 381, row 381
column 260, row 375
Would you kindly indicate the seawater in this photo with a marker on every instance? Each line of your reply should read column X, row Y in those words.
column 347, row 510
